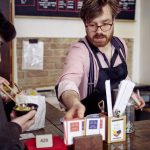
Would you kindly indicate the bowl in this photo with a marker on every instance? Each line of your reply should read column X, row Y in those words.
column 24, row 108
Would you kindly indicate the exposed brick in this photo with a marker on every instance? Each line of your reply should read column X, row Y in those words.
column 60, row 52
column 55, row 51
column 59, row 65
column 19, row 52
column 51, row 59
column 19, row 60
column 19, row 66
column 48, row 53
column 21, row 75
column 65, row 40
column 48, row 66
column 37, row 73
column 58, row 45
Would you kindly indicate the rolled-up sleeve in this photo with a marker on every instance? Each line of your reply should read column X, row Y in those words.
column 75, row 67
column 66, row 85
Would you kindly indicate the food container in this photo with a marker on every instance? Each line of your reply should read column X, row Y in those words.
column 24, row 108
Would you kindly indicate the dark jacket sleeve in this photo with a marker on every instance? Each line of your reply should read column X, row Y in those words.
column 9, row 132
column 7, row 143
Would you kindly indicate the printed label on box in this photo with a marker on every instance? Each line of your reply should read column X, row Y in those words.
column 92, row 126
column 117, row 131
column 73, row 128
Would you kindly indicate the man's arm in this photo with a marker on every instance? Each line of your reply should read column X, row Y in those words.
column 75, row 68
column 72, row 102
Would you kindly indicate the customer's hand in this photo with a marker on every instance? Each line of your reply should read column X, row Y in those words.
column 142, row 104
column 140, row 99
column 76, row 111
column 3, row 80
column 25, row 121
column 4, row 96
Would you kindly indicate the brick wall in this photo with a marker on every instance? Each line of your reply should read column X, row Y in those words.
column 55, row 50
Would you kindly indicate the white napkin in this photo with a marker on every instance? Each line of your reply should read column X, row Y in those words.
column 41, row 111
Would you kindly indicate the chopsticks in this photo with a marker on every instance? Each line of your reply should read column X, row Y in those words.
column 19, row 89
column 7, row 94
column 11, row 89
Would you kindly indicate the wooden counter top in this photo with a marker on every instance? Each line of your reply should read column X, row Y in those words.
column 140, row 140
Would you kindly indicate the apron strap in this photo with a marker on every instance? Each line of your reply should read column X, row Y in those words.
column 90, row 87
column 118, row 45
column 114, row 58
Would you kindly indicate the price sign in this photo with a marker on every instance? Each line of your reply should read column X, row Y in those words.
column 43, row 141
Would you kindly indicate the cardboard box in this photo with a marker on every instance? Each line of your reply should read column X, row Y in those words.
column 115, row 129
column 96, row 125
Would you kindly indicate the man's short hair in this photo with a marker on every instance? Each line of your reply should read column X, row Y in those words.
column 7, row 29
column 93, row 8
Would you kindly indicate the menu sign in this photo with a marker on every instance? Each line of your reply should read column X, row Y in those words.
column 65, row 8
column 127, row 9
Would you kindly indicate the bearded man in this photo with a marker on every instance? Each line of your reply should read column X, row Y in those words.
column 92, row 60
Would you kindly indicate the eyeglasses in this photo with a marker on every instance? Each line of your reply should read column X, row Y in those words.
column 104, row 27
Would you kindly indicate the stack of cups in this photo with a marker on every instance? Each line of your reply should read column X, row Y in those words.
column 130, row 117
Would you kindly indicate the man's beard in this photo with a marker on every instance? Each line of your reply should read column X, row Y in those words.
column 104, row 40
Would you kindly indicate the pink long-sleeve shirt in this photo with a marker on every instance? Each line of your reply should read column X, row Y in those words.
column 76, row 69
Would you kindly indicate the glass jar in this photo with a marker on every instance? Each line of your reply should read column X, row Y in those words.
column 130, row 118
